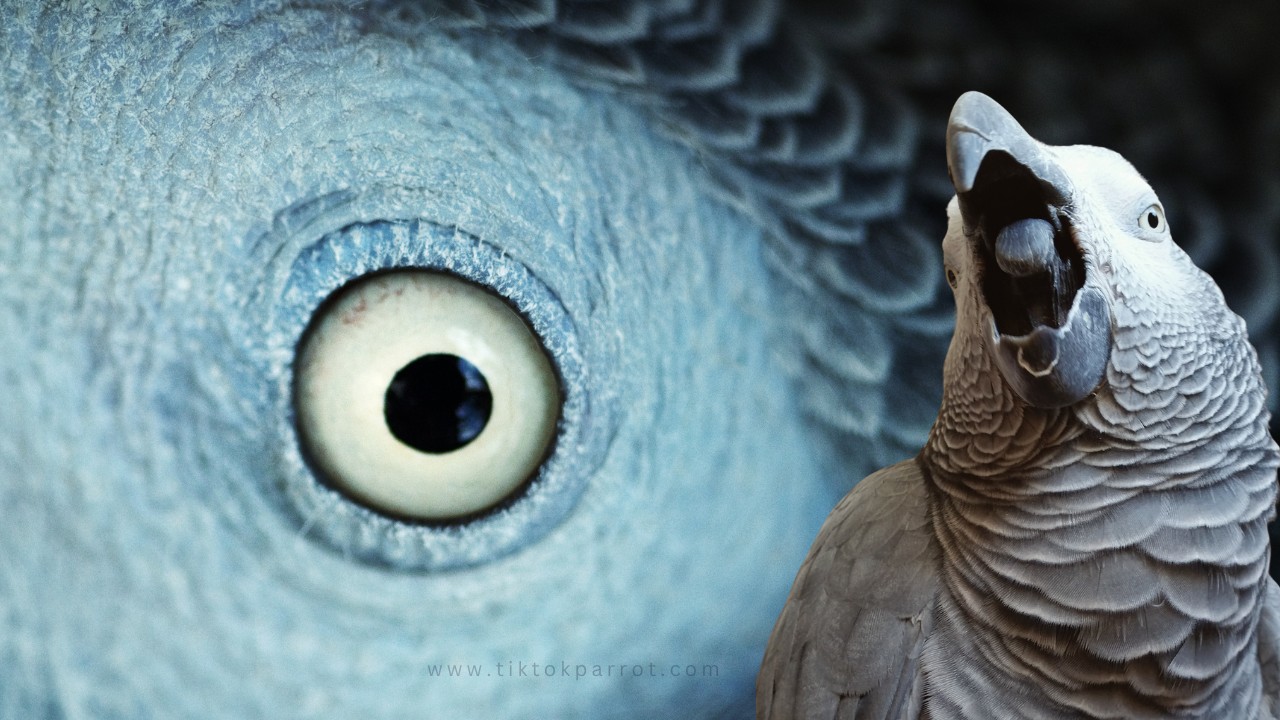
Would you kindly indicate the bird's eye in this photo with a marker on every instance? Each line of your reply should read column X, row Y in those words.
column 423, row 395
column 952, row 279
column 429, row 394
column 1152, row 219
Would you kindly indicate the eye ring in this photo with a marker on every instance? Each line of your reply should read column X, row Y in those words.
column 352, row 530
column 952, row 279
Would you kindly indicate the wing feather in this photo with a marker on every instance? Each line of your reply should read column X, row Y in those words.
column 848, row 641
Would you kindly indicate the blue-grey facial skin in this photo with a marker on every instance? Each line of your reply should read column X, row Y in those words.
column 162, row 172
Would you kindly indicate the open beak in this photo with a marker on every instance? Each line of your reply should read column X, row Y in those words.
column 1050, row 327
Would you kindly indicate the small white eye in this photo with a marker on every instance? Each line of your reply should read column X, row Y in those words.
column 424, row 396
column 1152, row 219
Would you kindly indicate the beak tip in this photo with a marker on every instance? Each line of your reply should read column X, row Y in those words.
column 965, row 151
column 978, row 113
column 972, row 129
column 979, row 125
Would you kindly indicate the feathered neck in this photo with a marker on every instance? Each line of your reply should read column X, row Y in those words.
column 1094, row 562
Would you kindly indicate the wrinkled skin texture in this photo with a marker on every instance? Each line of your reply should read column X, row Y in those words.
column 175, row 187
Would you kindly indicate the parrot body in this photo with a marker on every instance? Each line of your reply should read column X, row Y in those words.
column 1084, row 533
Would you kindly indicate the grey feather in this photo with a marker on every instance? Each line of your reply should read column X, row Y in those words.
column 848, row 642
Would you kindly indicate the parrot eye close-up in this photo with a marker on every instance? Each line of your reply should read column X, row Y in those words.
column 952, row 279
column 435, row 413
column 1153, row 219
column 423, row 395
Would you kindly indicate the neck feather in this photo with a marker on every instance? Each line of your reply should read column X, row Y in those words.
column 1103, row 569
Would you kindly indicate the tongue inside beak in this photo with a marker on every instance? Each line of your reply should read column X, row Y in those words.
column 1032, row 268
column 1050, row 329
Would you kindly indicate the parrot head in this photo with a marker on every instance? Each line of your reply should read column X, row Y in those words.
column 1065, row 274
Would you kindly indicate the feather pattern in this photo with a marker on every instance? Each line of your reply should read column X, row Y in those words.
column 848, row 643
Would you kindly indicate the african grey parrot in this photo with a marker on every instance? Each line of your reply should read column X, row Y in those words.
column 1084, row 533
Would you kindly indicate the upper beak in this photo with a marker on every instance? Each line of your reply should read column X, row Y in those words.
column 979, row 127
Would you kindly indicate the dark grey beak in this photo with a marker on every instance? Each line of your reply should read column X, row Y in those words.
column 1051, row 328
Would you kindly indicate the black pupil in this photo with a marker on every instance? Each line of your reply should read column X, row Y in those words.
column 437, row 403
column 1153, row 220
